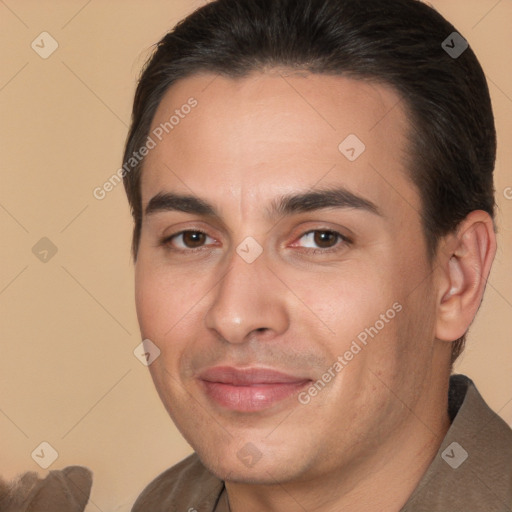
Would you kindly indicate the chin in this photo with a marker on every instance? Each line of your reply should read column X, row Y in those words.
column 260, row 476
column 241, row 469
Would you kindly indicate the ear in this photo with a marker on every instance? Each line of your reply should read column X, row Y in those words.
column 464, row 260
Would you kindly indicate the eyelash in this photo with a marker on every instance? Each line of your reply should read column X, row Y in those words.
column 339, row 238
column 166, row 242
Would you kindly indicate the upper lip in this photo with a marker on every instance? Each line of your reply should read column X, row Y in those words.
column 248, row 376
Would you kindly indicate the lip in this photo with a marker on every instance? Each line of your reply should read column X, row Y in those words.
column 249, row 389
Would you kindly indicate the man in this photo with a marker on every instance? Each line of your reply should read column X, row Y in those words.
column 311, row 184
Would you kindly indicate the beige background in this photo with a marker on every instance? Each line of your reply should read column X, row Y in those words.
column 67, row 370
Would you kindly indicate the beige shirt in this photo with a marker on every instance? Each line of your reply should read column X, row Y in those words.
column 472, row 471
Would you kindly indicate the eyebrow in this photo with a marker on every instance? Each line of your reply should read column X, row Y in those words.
column 168, row 202
column 319, row 199
column 284, row 205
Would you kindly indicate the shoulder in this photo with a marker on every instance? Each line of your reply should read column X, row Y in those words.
column 186, row 486
column 478, row 420
column 473, row 467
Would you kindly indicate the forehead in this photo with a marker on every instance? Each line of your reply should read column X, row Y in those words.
column 279, row 132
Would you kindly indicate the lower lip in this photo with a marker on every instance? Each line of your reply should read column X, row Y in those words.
column 251, row 398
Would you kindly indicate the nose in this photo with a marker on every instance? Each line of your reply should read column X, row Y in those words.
column 249, row 299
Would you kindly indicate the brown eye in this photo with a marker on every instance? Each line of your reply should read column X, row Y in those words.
column 188, row 240
column 320, row 239
column 193, row 239
column 325, row 239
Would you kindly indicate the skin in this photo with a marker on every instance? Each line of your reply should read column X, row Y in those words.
column 364, row 441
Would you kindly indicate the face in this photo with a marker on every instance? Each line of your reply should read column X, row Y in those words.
column 282, row 273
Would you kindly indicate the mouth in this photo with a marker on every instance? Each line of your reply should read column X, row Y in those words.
column 249, row 389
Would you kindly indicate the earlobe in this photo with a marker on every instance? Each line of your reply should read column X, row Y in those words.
column 464, row 264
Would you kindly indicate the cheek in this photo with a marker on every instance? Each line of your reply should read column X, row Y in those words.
column 152, row 303
column 163, row 319
column 347, row 301
column 170, row 310
column 164, row 299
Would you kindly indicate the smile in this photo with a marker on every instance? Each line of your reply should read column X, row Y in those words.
column 249, row 389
